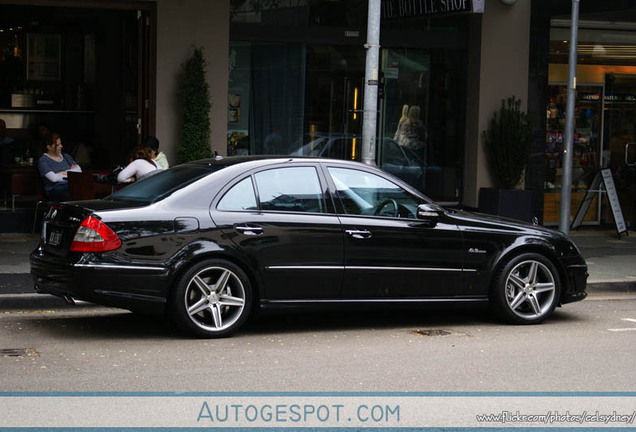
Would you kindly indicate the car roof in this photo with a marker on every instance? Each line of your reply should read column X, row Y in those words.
column 263, row 160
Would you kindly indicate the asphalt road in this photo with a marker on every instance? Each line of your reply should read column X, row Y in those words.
column 49, row 346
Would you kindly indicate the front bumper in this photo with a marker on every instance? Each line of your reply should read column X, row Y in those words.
column 576, row 283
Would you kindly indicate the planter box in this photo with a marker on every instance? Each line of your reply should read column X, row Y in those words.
column 510, row 203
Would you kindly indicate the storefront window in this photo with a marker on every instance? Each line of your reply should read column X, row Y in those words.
column 81, row 72
column 605, row 121
column 421, row 111
column 586, row 148
column 266, row 97
column 306, row 98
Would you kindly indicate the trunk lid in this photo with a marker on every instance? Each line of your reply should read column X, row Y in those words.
column 62, row 221
column 59, row 227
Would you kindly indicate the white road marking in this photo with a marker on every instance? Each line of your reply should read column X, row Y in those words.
column 625, row 329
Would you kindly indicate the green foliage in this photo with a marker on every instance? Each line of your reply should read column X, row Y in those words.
column 508, row 142
column 194, row 98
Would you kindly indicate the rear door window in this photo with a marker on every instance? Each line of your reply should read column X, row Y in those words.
column 239, row 198
column 292, row 189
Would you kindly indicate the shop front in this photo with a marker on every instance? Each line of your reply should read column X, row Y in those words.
column 296, row 85
column 80, row 70
column 605, row 120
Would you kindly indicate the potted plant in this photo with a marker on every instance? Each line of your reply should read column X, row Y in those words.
column 508, row 142
column 194, row 98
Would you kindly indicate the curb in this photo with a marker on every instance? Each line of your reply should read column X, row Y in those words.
column 612, row 287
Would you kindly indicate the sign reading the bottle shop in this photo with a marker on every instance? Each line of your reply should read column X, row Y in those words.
column 414, row 8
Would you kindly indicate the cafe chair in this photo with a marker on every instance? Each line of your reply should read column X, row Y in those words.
column 22, row 183
column 42, row 204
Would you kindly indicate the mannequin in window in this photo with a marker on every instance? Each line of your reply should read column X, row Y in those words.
column 399, row 133
column 415, row 133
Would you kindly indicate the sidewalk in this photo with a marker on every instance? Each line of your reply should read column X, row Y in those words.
column 611, row 261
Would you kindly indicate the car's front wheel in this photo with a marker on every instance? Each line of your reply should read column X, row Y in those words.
column 212, row 299
column 526, row 289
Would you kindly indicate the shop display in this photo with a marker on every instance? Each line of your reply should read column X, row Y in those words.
column 585, row 147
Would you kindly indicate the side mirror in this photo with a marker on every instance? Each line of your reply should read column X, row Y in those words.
column 428, row 212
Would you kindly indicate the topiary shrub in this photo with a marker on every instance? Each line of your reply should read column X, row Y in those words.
column 508, row 142
column 194, row 101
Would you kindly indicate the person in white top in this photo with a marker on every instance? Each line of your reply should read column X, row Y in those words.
column 142, row 166
column 157, row 156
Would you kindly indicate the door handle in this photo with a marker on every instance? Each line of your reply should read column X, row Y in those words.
column 359, row 234
column 627, row 161
column 249, row 230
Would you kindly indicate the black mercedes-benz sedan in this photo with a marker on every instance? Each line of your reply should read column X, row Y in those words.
column 209, row 241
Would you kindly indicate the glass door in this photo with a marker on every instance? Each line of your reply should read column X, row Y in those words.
column 334, row 102
column 619, row 150
column 422, row 108
column 137, row 77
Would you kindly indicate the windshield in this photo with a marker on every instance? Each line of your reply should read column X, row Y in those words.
column 162, row 184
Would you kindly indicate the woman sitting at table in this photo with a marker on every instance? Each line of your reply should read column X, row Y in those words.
column 142, row 166
column 54, row 166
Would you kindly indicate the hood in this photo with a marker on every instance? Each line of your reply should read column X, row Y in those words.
column 481, row 220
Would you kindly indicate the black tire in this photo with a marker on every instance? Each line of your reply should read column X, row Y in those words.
column 204, row 309
column 526, row 289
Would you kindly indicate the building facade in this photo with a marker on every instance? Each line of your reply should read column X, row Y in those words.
column 287, row 77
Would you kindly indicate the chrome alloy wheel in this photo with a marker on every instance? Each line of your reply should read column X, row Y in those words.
column 530, row 289
column 215, row 299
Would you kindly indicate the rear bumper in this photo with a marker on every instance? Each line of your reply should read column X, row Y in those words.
column 138, row 288
column 576, row 283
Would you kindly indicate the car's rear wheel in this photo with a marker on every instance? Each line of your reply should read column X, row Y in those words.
column 212, row 299
column 526, row 289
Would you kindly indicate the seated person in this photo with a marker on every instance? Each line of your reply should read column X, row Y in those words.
column 142, row 166
column 54, row 166
column 10, row 148
column 153, row 143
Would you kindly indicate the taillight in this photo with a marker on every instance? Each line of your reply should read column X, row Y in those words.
column 94, row 236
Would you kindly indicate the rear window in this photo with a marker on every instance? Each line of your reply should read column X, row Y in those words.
column 160, row 185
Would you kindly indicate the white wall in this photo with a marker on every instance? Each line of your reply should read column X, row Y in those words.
column 180, row 25
column 502, row 72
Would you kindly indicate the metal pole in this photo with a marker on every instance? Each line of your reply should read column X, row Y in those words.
column 566, row 179
column 371, row 82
